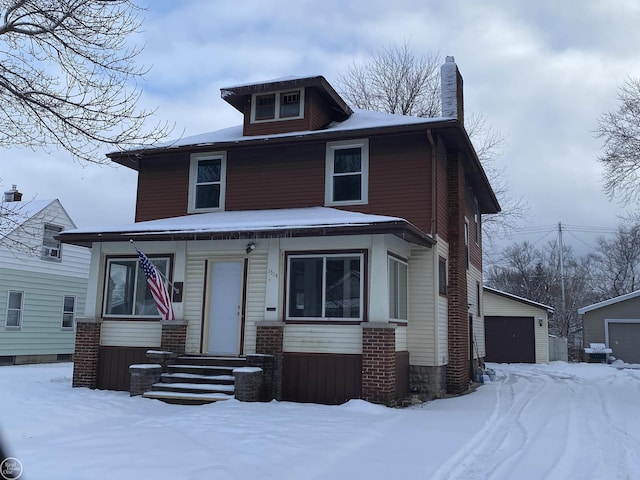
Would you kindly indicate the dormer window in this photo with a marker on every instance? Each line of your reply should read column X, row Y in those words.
column 281, row 105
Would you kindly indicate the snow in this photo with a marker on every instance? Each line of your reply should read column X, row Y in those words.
column 552, row 421
column 249, row 220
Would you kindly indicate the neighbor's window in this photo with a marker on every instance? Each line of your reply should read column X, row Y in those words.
column 398, row 289
column 279, row 105
column 207, row 181
column 442, row 276
column 51, row 248
column 14, row 309
column 68, row 311
column 126, row 291
column 325, row 286
column 347, row 171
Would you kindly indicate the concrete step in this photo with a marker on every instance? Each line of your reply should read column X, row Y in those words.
column 212, row 361
column 196, row 378
column 187, row 398
column 211, row 370
column 192, row 388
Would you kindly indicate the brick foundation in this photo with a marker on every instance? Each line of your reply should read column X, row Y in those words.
column 379, row 363
column 427, row 382
column 174, row 336
column 143, row 376
column 85, row 358
column 270, row 341
column 248, row 384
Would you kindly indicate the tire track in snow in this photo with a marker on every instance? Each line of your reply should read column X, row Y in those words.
column 493, row 451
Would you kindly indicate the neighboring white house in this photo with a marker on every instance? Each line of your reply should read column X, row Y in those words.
column 42, row 283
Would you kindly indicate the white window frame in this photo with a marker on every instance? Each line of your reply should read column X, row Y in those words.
column 72, row 313
column 393, row 308
column 276, row 108
column 139, row 280
column 20, row 311
column 332, row 147
column 193, row 178
column 326, row 256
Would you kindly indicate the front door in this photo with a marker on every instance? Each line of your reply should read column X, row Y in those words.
column 225, row 308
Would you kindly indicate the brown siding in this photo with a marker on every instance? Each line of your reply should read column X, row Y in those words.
column 402, row 375
column 441, row 201
column 321, row 378
column 475, row 249
column 284, row 176
column 113, row 366
column 318, row 111
column 163, row 187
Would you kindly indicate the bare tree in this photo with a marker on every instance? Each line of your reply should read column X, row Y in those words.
column 395, row 80
column 620, row 131
column 68, row 77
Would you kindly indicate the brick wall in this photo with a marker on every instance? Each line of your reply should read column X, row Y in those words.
column 270, row 341
column 174, row 336
column 379, row 364
column 85, row 358
column 457, row 373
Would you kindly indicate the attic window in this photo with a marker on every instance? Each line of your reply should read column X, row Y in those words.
column 290, row 104
column 279, row 105
column 51, row 248
column 265, row 107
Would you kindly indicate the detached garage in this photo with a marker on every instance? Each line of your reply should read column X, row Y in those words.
column 616, row 323
column 516, row 329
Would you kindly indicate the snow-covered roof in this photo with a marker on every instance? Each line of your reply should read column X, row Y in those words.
column 359, row 120
column 518, row 299
column 606, row 303
column 251, row 222
column 17, row 213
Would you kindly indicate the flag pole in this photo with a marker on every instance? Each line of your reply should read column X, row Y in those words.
column 174, row 290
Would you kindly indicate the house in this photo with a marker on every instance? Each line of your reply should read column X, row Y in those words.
column 43, row 284
column 616, row 324
column 345, row 243
column 516, row 329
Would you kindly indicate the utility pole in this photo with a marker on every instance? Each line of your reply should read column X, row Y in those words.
column 561, row 245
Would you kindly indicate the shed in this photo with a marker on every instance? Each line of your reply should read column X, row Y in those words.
column 516, row 329
column 615, row 323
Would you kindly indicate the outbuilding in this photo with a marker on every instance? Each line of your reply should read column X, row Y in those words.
column 516, row 329
column 615, row 323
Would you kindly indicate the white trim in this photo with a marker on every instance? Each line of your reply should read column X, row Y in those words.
column 392, row 258
column 608, row 321
column 606, row 303
column 276, row 107
column 193, row 178
column 363, row 144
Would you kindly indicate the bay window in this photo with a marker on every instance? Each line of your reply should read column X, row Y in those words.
column 398, row 289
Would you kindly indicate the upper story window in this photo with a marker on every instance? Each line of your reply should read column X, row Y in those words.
column 14, row 309
column 207, row 176
column 126, row 293
column 281, row 105
column 347, row 172
column 398, row 289
column 325, row 287
column 51, row 248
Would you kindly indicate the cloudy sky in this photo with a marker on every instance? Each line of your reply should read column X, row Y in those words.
column 540, row 73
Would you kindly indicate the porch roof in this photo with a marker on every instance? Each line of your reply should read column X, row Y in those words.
column 250, row 224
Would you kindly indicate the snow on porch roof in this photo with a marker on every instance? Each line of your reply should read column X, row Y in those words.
column 311, row 221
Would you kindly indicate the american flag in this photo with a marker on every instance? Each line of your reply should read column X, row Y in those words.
column 158, row 287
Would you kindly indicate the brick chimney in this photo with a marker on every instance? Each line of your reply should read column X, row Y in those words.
column 12, row 195
column 451, row 90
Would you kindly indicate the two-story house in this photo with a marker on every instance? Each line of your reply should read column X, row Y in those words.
column 346, row 243
column 43, row 283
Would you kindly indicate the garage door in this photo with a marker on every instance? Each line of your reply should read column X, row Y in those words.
column 624, row 340
column 510, row 339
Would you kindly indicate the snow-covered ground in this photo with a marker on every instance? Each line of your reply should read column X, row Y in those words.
column 556, row 421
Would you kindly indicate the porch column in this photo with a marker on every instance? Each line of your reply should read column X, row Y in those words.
column 85, row 358
column 270, row 341
column 379, row 285
column 174, row 336
column 379, row 363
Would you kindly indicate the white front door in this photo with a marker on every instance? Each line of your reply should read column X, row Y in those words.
column 225, row 308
